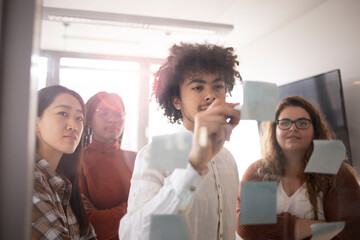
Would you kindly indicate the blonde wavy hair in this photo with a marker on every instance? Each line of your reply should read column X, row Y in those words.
column 273, row 161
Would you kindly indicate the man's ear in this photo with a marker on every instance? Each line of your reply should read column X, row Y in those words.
column 176, row 103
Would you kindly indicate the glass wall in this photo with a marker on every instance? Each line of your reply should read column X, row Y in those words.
column 89, row 75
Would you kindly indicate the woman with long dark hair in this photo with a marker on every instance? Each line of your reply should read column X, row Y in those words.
column 106, row 168
column 58, row 212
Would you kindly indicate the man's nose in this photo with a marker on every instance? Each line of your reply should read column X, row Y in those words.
column 210, row 96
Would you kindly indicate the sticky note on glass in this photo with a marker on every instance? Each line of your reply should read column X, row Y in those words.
column 260, row 100
column 325, row 231
column 170, row 151
column 327, row 156
column 258, row 202
column 165, row 227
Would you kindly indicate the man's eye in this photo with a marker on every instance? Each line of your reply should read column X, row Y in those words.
column 197, row 88
column 80, row 119
column 220, row 86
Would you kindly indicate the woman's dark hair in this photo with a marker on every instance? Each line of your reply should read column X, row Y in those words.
column 69, row 164
column 91, row 106
column 185, row 59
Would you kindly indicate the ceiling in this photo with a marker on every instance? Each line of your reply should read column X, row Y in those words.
column 252, row 20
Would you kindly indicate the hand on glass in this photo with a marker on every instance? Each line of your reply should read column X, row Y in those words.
column 211, row 129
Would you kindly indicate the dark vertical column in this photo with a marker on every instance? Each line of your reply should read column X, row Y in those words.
column 20, row 33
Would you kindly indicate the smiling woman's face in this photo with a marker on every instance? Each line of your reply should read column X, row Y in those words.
column 294, row 139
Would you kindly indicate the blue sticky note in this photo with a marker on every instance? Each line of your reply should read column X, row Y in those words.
column 165, row 227
column 258, row 203
column 170, row 151
column 325, row 231
column 327, row 156
column 260, row 100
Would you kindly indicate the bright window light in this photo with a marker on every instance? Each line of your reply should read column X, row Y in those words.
column 100, row 64
column 42, row 68
column 158, row 123
column 244, row 143
column 87, row 82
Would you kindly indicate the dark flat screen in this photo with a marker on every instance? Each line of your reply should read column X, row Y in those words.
column 325, row 92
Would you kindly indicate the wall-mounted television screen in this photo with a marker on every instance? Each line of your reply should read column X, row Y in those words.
column 325, row 92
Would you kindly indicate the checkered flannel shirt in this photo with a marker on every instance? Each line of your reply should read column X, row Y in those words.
column 52, row 216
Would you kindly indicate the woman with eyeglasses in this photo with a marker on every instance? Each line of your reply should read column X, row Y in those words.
column 302, row 198
column 106, row 168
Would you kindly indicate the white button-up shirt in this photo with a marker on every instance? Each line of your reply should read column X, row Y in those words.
column 208, row 201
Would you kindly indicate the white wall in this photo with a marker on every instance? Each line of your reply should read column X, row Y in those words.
column 324, row 39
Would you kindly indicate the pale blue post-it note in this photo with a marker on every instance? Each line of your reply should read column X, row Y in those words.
column 260, row 100
column 258, row 202
column 165, row 227
column 170, row 151
column 325, row 231
column 326, row 157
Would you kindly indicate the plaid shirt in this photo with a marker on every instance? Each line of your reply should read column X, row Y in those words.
column 52, row 216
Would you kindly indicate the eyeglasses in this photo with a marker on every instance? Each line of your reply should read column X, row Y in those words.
column 301, row 123
column 106, row 114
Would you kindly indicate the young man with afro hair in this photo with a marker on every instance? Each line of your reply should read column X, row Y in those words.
column 191, row 88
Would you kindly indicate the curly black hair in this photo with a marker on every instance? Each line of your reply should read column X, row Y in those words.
column 185, row 59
